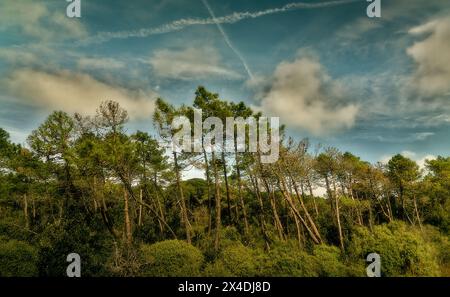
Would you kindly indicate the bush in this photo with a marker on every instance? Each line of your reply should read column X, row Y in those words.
column 239, row 260
column 286, row 259
column 17, row 259
column 59, row 240
column 329, row 262
column 234, row 260
column 402, row 249
column 171, row 258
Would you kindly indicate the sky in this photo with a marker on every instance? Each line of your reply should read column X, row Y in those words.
column 371, row 86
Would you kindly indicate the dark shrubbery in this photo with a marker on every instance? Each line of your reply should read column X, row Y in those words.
column 17, row 258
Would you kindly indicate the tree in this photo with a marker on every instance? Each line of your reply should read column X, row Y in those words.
column 403, row 173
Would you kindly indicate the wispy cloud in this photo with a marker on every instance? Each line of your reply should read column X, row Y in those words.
column 99, row 63
column 190, row 63
column 409, row 138
column 188, row 22
column 227, row 40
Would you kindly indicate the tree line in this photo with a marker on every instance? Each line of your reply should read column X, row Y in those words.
column 85, row 184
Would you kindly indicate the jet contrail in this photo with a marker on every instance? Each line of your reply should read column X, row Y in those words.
column 188, row 22
column 227, row 40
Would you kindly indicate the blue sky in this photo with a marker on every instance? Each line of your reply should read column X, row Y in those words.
column 374, row 87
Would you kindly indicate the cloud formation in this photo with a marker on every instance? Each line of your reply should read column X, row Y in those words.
column 75, row 92
column 420, row 159
column 99, row 63
column 34, row 19
column 302, row 95
column 190, row 63
column 432, row 76
column 228, row 19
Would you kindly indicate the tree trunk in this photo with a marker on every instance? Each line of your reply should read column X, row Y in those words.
column 312, row 196
column 208, row 182
column 336, row 209
column 227, row 188
column 241, row 198
column 25, row 211
column 218, row 205
column 184, row 214
column 417, row 211
column 140, row 209
column 127, row 218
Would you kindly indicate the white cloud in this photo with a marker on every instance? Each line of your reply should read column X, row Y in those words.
column 358, row 27
column 75, row 92
column 302, row 95
column 432, row 76
column 16, row 55
column 100, row 63
column 190, row 63
column 419, row 159
column 34, row 19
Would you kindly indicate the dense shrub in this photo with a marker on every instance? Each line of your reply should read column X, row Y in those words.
column 328, row 261
column 171, row 258
column 59, row 240
column 286, row 259
column 234, row 260
column 17, row 258
column 403, row 250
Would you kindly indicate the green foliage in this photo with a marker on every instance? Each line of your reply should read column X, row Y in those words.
column 403, row 250
column 171, row 258
column 328, row 260
column 17, row 258
column 59, row 240
column 234, row 260
column 286, row 259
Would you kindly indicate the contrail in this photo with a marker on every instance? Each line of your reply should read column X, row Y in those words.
column 188, row 22
column 227, row 40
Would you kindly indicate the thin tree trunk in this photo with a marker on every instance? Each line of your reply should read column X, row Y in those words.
column 262, row 219
column 285, row 192
column 127, row 218
column 227, row 188
column 182, row 201
column 218, row 205
column 336, row 209
column 417, row 211
column 140, row 208
column 312, row 196
column 25, row 211
column 208, row 182
column 241, row 198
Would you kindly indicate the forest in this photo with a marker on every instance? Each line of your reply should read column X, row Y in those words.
column 85, row 184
